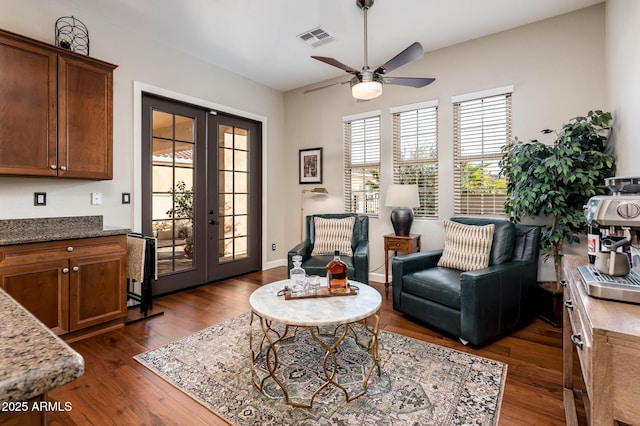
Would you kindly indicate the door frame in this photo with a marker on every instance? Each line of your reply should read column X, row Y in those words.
column 138, row 89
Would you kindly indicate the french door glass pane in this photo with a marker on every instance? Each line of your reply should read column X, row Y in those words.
column 172, row 198
column 233, row 186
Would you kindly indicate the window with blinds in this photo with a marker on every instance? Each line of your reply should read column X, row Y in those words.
column 482, row 126
column 362, row 165
column 415, row 153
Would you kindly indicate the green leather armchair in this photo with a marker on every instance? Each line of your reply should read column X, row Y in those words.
column 475, row 306
column 358, row 265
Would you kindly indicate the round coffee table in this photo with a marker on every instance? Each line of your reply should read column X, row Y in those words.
column 340, row 312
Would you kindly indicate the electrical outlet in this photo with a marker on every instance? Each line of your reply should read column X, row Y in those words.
column 39, row 198
column 273, row 247
column 96, row 198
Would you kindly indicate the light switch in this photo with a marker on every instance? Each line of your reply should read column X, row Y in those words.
column 96, row 198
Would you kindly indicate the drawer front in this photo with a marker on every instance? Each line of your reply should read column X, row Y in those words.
column 581, row 333
column 397, row 244
column 25, row 254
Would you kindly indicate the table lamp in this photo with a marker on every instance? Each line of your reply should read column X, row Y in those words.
column 402, row 198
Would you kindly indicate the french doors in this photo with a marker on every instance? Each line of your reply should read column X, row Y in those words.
column 201, row 177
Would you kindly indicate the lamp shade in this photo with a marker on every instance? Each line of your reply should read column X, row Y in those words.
column 366, row 90
column 402, row 196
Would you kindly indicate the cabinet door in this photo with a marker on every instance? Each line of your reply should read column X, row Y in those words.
column 97, row 290
column 27, row 108
column 85, row 119
column 43, row 289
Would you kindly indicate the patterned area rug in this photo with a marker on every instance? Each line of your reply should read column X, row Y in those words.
column 420, row 383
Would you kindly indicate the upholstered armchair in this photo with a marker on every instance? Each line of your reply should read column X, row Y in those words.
column 325, row 233
column 473, row 305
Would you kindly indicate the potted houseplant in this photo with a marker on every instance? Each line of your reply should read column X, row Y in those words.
column 183, row 209
column 554, row 182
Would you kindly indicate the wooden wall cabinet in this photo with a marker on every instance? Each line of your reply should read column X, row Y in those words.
column 71, row 285
column 56, row 111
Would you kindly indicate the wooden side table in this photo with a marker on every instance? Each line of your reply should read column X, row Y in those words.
column 396, row 243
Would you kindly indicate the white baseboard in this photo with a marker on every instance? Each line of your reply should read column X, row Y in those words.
column 274, row 264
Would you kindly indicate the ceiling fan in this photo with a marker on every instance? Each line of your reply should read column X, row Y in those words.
column 366, row 83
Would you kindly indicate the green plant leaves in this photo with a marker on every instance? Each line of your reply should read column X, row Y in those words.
column 557, row 180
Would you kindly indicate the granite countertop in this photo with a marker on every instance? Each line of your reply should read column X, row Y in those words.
column 36, row 230
column 33, row 360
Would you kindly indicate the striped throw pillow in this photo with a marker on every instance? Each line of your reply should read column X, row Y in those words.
column 466, row 247
column 332, row 235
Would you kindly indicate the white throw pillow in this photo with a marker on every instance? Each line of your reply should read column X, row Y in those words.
column 466, row 247
column 332, row 235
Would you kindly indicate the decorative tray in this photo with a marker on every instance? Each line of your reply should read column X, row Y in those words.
column 324, row 292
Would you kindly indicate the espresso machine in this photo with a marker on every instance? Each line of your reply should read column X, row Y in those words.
column 615, row 221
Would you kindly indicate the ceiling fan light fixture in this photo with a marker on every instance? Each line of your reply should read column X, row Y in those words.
column 366, row 90
column 366, row 84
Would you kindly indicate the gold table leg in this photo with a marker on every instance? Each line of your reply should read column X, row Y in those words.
column 271, row 355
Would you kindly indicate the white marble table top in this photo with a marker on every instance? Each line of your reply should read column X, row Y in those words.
column 314, row 311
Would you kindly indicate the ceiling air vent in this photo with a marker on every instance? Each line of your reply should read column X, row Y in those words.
column 316, row 36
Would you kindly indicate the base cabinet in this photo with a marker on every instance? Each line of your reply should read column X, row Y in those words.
column 97, row 292
column 43, row 289
column 71, row 285
column 604, row 336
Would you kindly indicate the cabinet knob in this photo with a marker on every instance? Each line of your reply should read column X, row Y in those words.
column 53, row 167
column 563, row 283
column 577, row 340
column 69, row 248
column 569, row 305
column 76, row 269
column 63, row 167
column 65, row 270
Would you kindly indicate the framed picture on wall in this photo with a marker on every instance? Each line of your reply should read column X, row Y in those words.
column 310, row 163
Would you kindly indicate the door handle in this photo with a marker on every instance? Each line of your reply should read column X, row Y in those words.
column 213, row 222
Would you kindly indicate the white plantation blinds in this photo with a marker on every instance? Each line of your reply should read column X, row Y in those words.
column 415, row 155
column 481, row 128
column 362, row 165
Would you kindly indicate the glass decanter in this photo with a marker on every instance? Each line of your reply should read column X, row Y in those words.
column 298, row 277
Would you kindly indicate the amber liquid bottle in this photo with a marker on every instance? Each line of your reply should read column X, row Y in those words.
column 337, row 275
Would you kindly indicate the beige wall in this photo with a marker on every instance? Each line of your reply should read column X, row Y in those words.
column 623, row 81
column 555, row 66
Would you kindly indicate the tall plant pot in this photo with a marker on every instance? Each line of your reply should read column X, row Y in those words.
column 548, row 302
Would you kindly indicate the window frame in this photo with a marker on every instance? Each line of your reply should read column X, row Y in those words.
column 482, row 138
column 429, row 204
column 371, row 161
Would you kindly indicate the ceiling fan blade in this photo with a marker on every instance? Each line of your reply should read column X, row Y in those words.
column 337, row 64
column 408, row 81
column 409, row 54
column 324, row 87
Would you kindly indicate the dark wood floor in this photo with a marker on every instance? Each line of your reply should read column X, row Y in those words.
column 115, row 389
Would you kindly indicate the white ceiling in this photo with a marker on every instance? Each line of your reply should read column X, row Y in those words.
column 258, row 38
